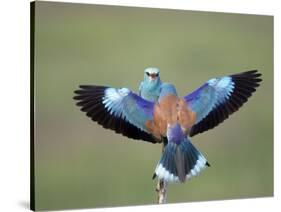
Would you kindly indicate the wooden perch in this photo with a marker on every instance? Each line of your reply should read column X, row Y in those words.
column 161, row 188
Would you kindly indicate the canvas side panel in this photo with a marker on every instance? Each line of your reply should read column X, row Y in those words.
column 32, row 165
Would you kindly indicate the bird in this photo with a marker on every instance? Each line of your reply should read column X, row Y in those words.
column 150, row 87
column 170, row 118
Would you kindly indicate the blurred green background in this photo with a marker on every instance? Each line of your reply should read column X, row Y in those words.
column 80, row 165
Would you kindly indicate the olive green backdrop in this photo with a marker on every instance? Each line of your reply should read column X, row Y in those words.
column 78, row 164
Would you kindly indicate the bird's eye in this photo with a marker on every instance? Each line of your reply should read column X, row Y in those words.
column 147, row 73
column 157, row 75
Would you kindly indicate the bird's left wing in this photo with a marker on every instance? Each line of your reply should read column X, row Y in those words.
column 219, row 97
column 120, row 110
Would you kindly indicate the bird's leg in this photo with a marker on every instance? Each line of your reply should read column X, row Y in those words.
column 161, row 187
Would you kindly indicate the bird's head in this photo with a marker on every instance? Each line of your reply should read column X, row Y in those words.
column 151, row 75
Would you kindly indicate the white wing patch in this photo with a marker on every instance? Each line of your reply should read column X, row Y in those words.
column 112, row 100
column 223, row 88
column 221, row 91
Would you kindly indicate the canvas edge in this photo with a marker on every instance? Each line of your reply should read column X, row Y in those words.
column 32, row 51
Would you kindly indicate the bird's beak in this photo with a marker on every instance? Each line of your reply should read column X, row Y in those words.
column 152, row 77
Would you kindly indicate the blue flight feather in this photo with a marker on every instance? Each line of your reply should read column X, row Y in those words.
column 219, row 97
column 122, row 103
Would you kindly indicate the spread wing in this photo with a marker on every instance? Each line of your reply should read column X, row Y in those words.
column 219, row 97
column 120, row 110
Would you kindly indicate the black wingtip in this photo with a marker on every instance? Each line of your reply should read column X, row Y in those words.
column 207, row 164
column 76, row 91
column 76, row 97
column 253, row 74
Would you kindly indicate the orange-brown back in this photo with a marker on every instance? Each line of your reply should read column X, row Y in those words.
column 170, row 110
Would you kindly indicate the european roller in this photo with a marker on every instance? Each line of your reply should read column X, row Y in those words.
column 169, row 118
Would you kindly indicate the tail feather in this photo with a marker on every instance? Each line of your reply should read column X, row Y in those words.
column 180, row 164
column 180, row 161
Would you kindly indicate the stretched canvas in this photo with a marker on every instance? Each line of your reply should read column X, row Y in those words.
column 77, row 163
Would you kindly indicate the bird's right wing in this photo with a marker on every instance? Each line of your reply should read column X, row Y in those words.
column 120, row 110
column 219, row 97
